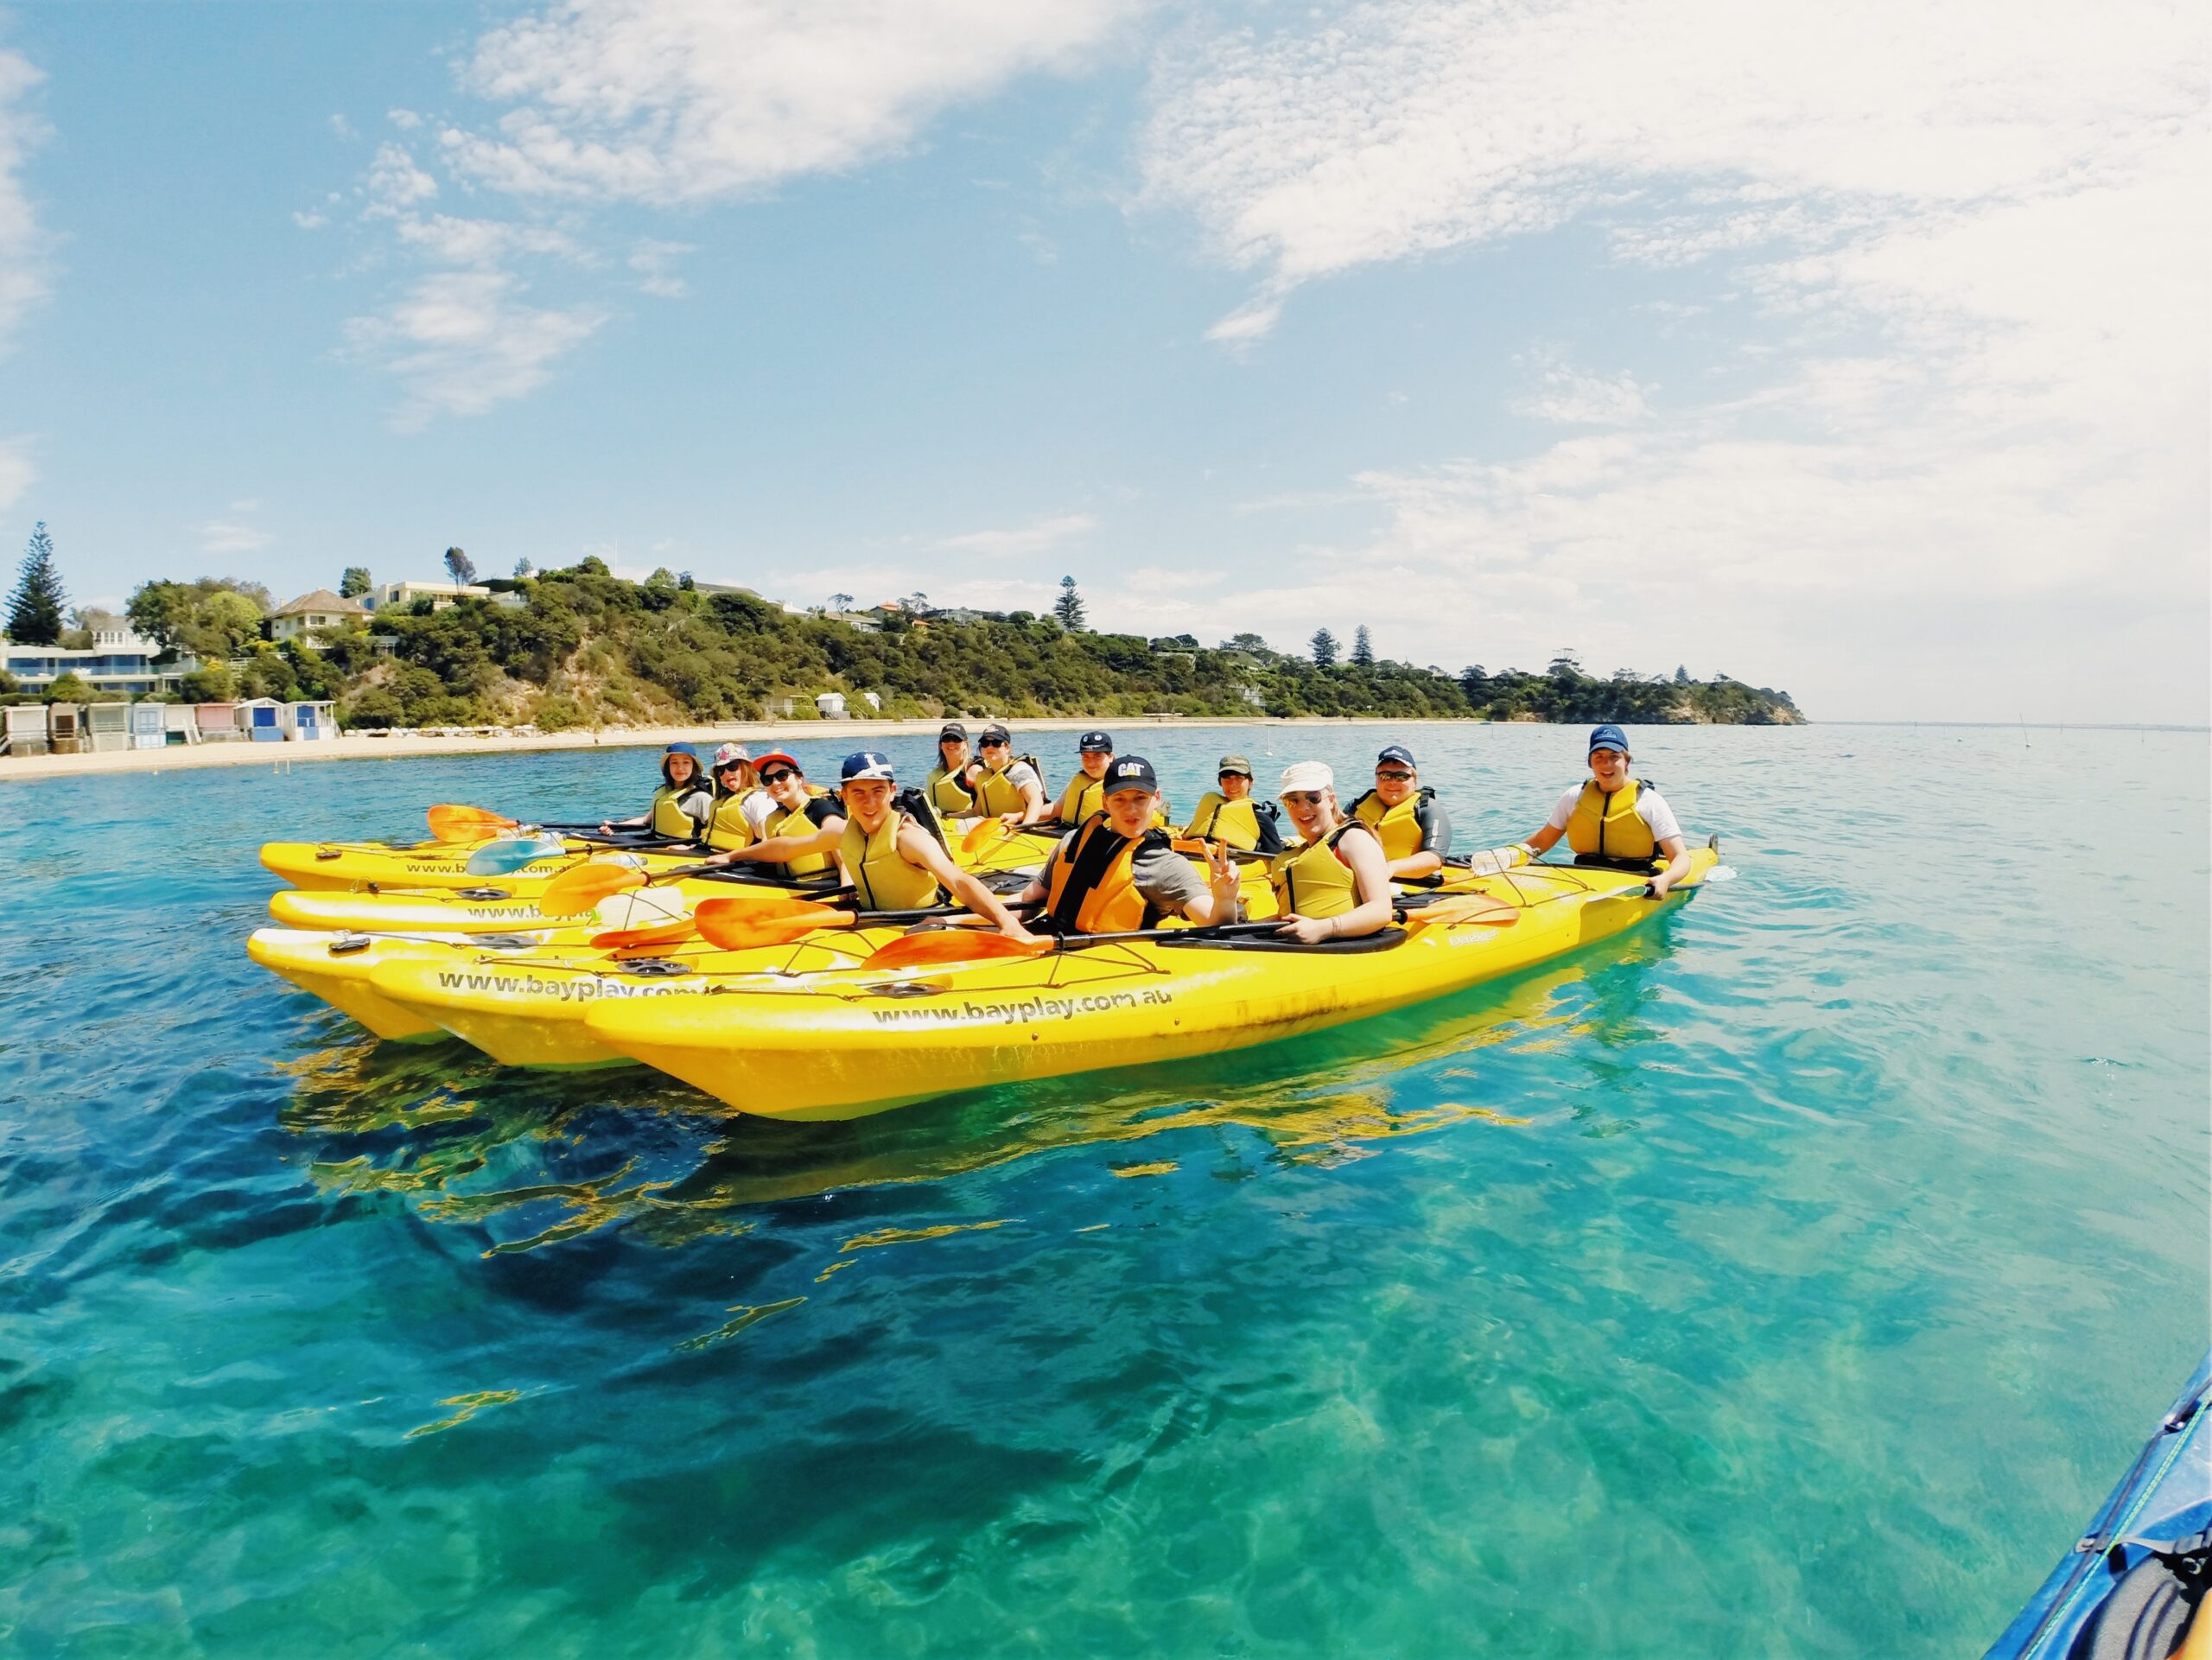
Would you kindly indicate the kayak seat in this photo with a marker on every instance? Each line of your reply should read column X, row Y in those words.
column 1384, row 940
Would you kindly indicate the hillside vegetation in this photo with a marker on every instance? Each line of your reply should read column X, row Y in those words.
column 586, row 647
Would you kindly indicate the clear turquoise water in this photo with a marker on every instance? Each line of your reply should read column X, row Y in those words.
column 1790, row 1280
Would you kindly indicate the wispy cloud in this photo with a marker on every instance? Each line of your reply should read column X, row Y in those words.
column 657, row 102
column 218, row 535
column 1024, row 541
column 1569, row 396
column 681, row 100
column 462, row 341
column 24, row 268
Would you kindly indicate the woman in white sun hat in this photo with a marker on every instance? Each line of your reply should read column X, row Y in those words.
column 1335, row 884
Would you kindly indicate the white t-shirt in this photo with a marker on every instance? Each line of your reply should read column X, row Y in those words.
column 757, row 807
column 1658, row 817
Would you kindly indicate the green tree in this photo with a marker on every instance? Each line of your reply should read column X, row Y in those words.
column 67, row 688
column 460, row 567
column 354, row 583
column 1068, row 608
column 524, row 567
column 35, row 613
column 1682, row 674
column 1324, row 649
column 213, row 618
column 840, row 602
column 1363, row 648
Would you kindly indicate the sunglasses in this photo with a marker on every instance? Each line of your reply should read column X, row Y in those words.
column 777, row 776
column 1303, row 798
column 1393, row 773
column 734, row 767
column 996, row 743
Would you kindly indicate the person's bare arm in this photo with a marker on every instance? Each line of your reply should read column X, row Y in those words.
column 1370, row 874
column 919, row 845
column 778, row 848
column 1678, row 866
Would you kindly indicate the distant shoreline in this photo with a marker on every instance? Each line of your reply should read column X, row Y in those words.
column 360, row 747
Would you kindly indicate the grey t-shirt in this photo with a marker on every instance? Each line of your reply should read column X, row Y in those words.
column 1167, row 880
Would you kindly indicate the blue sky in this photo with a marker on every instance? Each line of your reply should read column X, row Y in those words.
column 1866, row 357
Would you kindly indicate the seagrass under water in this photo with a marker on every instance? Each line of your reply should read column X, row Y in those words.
column 1788, row 1280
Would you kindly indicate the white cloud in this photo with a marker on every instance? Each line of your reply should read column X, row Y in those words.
column 246, row 505
column 481, row 242
column 23, row 265
column 1407, row 126
column 462, row 341
column 16, row 473
column 309, row 221
column 676, row 100
column 1574, row 397
column 1962, row 253
column 1023, row 541
column 405, row 120
column 219, row 537
column 394, row 182
column 341, row 128
column 651, row 260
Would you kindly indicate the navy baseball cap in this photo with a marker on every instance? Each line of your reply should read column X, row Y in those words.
column 865, row 763
column 1399, row 753
column 1130, row 773
column 1607, row 736
column 951, row 730
column 996, row 733
column 1096, row 743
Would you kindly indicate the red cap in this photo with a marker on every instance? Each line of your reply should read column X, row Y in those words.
column 761, row 763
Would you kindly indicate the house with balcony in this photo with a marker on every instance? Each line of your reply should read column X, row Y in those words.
column 401, row 596
column 118, row 663
column 320, row 609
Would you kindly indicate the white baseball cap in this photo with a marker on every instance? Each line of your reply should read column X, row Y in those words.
column 1306, row 775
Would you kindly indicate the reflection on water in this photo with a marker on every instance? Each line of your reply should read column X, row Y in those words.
column 476, row 1146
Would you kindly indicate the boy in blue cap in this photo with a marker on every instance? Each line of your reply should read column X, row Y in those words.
column 1616, row 820
column 891, row 854
column 1404, row 815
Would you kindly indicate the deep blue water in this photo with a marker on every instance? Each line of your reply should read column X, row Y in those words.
column 1790, row 1279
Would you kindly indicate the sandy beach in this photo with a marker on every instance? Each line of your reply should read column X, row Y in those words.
column 361, row 746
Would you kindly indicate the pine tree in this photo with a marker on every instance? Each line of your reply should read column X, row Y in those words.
column 1324, row 649
column 1069, row 606
column 1682, row 674
column 460, row 567
column 354, row 583
column 1363, row 648
column 35, row 613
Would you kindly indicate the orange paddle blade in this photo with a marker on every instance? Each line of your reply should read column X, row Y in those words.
column 631, row 939
column 952, row 945
column 739, row 924
column 574, row 891
column 983, row 833
column 1479, row 909
column 450, row 822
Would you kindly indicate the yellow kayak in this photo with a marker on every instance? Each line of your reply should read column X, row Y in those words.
column 522, row 999
column 838, row 1045
column 368, row 866
column 405, row 903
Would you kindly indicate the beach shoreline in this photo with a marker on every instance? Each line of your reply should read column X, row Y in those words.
column 360, row 746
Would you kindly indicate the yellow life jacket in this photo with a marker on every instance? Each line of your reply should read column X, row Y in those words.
column 1313, row 878
column 1084, row 796
column 1220, row 819
column 729, row 828
column 668, row 817
column 996, row 793
column 885, row 878
column 1609, row 826
column 1092, row 886
column 950, row 794
column 1396, row 828
column 796, row 821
